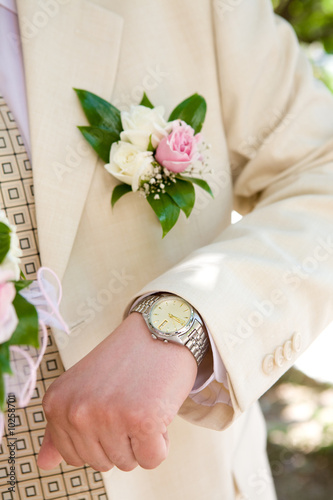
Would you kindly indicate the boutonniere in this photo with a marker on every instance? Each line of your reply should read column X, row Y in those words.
column 158, row 158
column 25, row 307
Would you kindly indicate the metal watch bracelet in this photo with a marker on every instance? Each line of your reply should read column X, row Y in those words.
column 195, row 339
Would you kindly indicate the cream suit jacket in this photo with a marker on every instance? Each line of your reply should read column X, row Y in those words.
column 263, row 285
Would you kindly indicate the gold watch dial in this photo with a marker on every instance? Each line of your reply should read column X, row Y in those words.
column 169, row 315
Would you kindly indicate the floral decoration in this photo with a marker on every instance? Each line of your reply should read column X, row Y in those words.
column 21, row 319
column 158, row 158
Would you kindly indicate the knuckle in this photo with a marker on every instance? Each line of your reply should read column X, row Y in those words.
column 148, row 426
column 142, row 424
column 133, row 418
column 106, row 417
column 49, row 404
column 77, row 415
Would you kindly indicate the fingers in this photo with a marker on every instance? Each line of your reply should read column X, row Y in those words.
column 59, row 445
column 81, row 450
column 63, row 442
column 92, row 453
column 119, row 451
column 150, row 452
column 126, row 453
column 48, row 457
column 106, row 413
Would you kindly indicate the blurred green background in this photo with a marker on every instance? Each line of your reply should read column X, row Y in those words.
column 298, row 408
column 313, row 23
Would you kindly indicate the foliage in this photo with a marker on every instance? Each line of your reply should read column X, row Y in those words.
column 313, row 24
column 311, row 19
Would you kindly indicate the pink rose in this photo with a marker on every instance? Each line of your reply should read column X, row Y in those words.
column 179, row 149
column 8, row 318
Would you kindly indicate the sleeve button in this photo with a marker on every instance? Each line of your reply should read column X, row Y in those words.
column 268, row 364
column 296, row 341
column 288, row 350
column 278, row 356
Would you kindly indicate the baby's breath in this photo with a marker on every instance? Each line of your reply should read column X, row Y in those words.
column 157, row 182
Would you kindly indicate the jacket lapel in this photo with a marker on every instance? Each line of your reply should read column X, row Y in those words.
column 75, row 45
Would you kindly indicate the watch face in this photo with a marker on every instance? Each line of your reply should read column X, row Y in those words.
column 170, row 314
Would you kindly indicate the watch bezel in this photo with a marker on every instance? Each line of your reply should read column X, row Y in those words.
column 175, row 333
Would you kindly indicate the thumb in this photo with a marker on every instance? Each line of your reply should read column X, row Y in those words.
column 48, row 457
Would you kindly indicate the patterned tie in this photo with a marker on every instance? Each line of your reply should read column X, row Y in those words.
column 64, row 482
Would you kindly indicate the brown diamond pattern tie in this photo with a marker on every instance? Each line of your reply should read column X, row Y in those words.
column 64, row 482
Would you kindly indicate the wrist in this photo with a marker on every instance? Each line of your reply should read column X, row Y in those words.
column 172, row 319
column 175, row 356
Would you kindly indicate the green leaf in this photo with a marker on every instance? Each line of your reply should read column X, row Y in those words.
column 328, row 44
column 119, row 191
column 20, row 285
column 100, row 139
column 183, row 194
column 4, row 241
column 200, row 182
column 5, row 358
column 192, row 111
column 26, row 332
column 2, row 392
column 4, row 368
column 166, row 210
column 99, row 112
column 150, row 145
column 146, row 102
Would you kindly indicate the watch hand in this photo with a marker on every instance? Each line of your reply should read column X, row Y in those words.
column 176, row 319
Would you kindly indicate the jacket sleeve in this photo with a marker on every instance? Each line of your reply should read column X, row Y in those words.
column 268, row 290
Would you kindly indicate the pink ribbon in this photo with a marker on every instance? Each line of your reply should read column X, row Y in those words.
column 46, row 298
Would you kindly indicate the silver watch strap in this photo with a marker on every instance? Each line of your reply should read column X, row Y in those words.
column 196, row 339
column 145, row 304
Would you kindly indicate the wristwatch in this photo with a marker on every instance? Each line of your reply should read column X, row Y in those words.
column 171, row 319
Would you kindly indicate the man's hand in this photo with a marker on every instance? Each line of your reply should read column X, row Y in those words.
column 113, row 407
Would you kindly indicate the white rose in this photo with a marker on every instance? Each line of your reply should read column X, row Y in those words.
column 140, row 123
column 128, row 163
column 12, row 259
